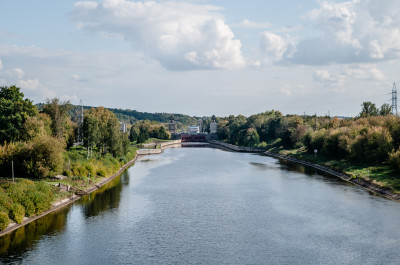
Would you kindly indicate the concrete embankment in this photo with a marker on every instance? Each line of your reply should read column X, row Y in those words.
column 366, row 184
column 164, row 145
column 237, row 148
column 64, row 202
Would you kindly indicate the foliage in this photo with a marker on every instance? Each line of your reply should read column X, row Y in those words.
column 144, row 130
column 41, row 158
column 4, row 221
column 368, row 109
column 14, row 111
column 17, row 213
column 101, row 129
column 367, row 139
column 61, row 125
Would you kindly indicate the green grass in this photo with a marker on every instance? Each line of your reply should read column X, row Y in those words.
column 383, row 175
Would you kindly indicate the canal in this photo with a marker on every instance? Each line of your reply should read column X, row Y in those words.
column 207, row 206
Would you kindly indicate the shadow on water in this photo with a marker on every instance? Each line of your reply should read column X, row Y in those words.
column 13, row 245
column 106, row 198
column 310, row 172
column 25, row 238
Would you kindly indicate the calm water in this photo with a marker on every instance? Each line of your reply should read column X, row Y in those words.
column 207, row 206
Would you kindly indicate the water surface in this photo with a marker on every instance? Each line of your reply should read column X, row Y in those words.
column 207, row 206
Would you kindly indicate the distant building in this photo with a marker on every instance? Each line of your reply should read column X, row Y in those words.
column 172, row 125
column 213, row 127
column 123, row 127
column 200, row 124
column 193, row 129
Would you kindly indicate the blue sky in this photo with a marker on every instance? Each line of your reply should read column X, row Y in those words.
column 203, row 57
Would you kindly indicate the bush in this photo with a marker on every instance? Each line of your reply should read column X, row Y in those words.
column 17, row 213
column 43, row 157
column 394, row 159
column 4, row 221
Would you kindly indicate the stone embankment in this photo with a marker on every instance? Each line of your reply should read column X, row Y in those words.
column 237, row 148
column 162, row 146
column 366, row 184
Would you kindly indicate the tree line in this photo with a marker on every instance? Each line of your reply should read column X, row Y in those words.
column 373, row 137
column 35, row 141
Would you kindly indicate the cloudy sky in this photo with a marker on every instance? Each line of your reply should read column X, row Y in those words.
column 203, row 57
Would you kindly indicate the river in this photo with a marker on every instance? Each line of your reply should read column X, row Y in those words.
column 208, row 206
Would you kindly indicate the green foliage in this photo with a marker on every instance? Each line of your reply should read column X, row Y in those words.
column 14, row 111
column 145, row 130
column 61, row 125
column 17, row 213
column 40, row 158
column 4, row 221
column 368, row 109
column 385, row 109
column 368, row 139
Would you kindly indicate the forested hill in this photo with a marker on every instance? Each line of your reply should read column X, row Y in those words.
column 131, row 116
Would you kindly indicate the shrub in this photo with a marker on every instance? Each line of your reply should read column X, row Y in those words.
column 29, row 207
column 4, row 221
column 17, row 213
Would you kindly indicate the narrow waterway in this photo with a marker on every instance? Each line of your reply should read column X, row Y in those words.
column 207, row 206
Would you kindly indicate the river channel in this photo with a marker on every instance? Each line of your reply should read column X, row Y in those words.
column 208, row 206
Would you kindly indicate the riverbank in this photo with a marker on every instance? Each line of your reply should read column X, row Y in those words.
column 67, row 201
column 364, row 183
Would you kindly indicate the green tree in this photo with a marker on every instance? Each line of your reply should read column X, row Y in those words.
column 368, row 109
column 385, row 109
column 61, row 124
column 14, row 111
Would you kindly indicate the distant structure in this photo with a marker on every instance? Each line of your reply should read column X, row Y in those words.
column 193, row 129
column 213, row 125
column 394, row 99
column 123, row 128
column 200, row 124
column 172, row 125
column 80, row 124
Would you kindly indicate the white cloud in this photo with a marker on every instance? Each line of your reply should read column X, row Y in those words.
column 274, row 46
column 322, row 76
column 364, row 71
column 16, row 73
column 181, row 36
column 245, row 23
column 36, row 88
column 357, row 31
column 1, row 65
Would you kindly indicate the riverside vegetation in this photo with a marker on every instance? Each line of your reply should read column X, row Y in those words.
column 366, row 146
column 40, row 145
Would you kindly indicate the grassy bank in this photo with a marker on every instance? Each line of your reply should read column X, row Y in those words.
column 25, row 198
column 383, row 175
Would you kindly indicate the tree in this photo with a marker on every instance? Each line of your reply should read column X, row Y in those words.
column 61, row 125
column 385, row 109
column 368, row 109
column 102, row 129
column 14, row 111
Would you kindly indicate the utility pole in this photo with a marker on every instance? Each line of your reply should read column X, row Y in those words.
column 12, row 169
column 315, row 121
column 394, row 99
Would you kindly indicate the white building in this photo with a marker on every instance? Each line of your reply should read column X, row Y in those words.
column 213, row 127
column 193, row 129
column 123, row 127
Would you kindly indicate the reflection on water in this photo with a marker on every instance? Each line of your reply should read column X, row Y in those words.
column 26, row 237
column 207, row 206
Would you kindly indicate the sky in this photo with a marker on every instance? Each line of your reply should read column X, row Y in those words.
column 204, row 57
